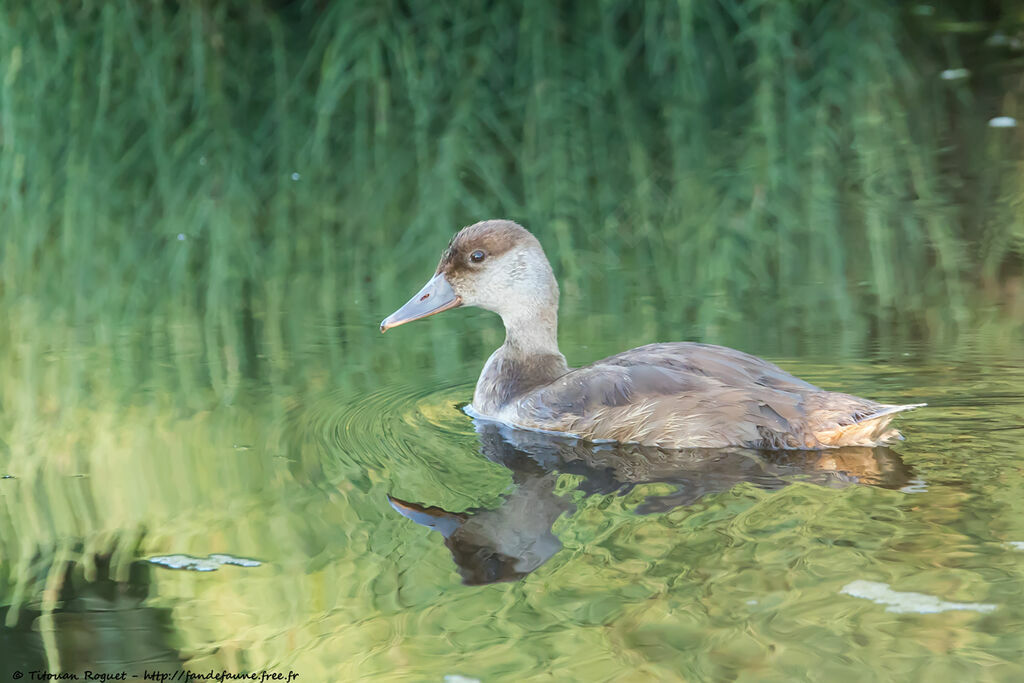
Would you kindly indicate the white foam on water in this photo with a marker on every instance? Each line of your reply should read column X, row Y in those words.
column 905, row 602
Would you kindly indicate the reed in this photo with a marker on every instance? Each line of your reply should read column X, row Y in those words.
column 238, row 170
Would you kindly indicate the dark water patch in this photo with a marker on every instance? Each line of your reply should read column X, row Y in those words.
column 100, row 622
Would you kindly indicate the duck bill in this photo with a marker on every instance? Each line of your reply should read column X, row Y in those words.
column 436, row 296
column 433, row 517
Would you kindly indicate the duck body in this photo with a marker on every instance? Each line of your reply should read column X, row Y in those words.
column 679, row 395
column 670, row 395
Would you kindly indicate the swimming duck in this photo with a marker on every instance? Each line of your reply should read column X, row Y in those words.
column 670, row 395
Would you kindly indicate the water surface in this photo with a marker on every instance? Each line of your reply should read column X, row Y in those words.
column 153, row 524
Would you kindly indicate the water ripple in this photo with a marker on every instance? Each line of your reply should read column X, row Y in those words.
column 408, row 437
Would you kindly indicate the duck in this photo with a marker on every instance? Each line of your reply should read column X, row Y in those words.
column 671, row 395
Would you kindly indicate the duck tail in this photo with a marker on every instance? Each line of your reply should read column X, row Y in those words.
column 871, row 429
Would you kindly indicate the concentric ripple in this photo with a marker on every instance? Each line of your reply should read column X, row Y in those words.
column 415, row 439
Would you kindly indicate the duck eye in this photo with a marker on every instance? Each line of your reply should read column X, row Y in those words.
column 477, row 256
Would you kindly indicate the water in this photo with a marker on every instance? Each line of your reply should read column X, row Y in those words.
column 342, row 517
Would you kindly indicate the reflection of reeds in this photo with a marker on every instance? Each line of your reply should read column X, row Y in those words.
column 346, row 582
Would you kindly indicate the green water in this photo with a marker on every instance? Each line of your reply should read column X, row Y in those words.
column 631, row 565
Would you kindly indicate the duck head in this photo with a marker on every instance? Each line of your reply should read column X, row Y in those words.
column 496, row 265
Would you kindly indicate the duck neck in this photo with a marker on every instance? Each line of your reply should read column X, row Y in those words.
column 528, row 359
column 531, row 334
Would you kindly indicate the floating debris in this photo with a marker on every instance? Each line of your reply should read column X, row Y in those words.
column 954, row 74
column 237, row 561
column 181, row 237
column 905, row 603
column 915, row 486
column 1002, row 122
column 1016, row 545
column 295, row 176
column 202, row 161
column 456, row 678
column 202, row 564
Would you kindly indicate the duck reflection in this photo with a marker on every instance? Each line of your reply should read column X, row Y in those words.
column 514, row 539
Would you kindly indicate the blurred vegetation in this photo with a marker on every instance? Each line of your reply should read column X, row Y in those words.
column 204, row 176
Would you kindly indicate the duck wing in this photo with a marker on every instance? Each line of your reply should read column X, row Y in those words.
column 691, row 395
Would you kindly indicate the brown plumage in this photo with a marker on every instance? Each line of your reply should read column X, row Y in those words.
column 671, row 395
column 692, row 395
